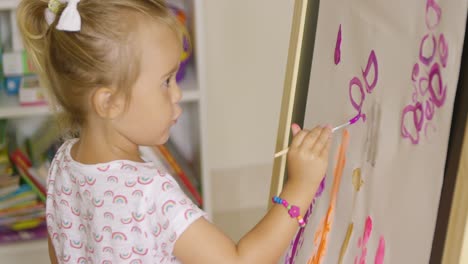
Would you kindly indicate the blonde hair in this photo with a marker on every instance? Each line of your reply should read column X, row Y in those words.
column 102, row 54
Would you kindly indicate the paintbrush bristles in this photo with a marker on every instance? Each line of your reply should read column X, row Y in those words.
column 341, row 126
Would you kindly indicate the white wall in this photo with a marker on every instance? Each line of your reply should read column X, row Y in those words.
column 246, row 47
column 247, row 44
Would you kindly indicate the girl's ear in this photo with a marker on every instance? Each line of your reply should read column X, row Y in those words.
column 106, row 103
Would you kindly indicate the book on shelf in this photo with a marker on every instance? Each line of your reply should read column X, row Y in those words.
column 8, row 181
column 170, row 161
column 22, row 209
column 8, row 190
column 23, row 195
column 184, row 164
column 28, row 173
column 41, row 141
column 9, row 236
column 184, row 172
column 22, row 189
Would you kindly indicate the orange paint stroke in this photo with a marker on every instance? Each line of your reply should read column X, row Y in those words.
column 328, row 221
column 338, row 172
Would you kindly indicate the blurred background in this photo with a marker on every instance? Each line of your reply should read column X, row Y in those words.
column 221, row 150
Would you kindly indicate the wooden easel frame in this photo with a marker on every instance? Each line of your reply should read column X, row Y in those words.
column 452, row 217
column 296, row 84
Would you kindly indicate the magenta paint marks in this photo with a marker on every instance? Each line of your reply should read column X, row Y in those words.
column 364, row 240
column 338, row 47
column 296, row 243
column 358, row 91
column 380, row 254
column 429, row 90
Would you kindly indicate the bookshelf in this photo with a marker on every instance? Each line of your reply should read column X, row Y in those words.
column 189, row 134
column 10, row 107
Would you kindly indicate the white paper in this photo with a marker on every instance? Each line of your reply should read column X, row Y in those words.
column 402, row 168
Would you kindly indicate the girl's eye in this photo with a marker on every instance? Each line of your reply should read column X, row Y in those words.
column 167, row 82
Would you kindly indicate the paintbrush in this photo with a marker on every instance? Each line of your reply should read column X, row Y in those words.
column 350, row 122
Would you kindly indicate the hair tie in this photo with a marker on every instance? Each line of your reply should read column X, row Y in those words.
column 70, row 20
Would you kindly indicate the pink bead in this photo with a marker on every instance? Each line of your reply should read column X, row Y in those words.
column 301, row 222
column 294, row 211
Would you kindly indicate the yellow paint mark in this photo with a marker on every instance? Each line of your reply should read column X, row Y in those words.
column 345, row 245
column 357, row 179
column 326, row 225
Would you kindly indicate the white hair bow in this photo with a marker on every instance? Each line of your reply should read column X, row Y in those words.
column 70, row 19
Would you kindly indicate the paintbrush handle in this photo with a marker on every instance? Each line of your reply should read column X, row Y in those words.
column 350, row 122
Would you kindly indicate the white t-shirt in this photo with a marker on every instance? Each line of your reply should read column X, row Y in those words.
column 116, row 212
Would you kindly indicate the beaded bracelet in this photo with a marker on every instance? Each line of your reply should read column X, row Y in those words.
column 293, row 210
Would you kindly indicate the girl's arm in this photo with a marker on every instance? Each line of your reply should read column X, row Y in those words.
column 52, row 256
column 203, row 243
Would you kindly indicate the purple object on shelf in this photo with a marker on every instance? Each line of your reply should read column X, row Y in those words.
column 186, row 56
column 186, row 43
column 9, row 236
column 182, row 70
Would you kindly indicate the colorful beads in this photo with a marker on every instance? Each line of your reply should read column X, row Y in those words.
column 293, row 210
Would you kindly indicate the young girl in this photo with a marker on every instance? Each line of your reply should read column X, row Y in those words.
column 110, row 66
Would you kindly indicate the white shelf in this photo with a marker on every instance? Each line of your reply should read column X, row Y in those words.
column 8, row 4
column 10, row 107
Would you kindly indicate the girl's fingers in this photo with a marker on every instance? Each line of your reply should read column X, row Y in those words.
column 298, row 136
column 311, row 138
column 295, row 129
column 322, row 140
column 326, row 149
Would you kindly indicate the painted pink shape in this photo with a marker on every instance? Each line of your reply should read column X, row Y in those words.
column 433, row 6
column 443, row 50
column 415, row 73
column 367, row 230
column 429, row 110
column 418, row 117
column 338, row 47
column 380, row 254
column 439, row 93
column 357, row 105
column 427, row 60
column 371, row 63
column 362, row 242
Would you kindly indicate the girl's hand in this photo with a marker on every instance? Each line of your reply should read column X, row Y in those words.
column 202, row 242
column 308, row 155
